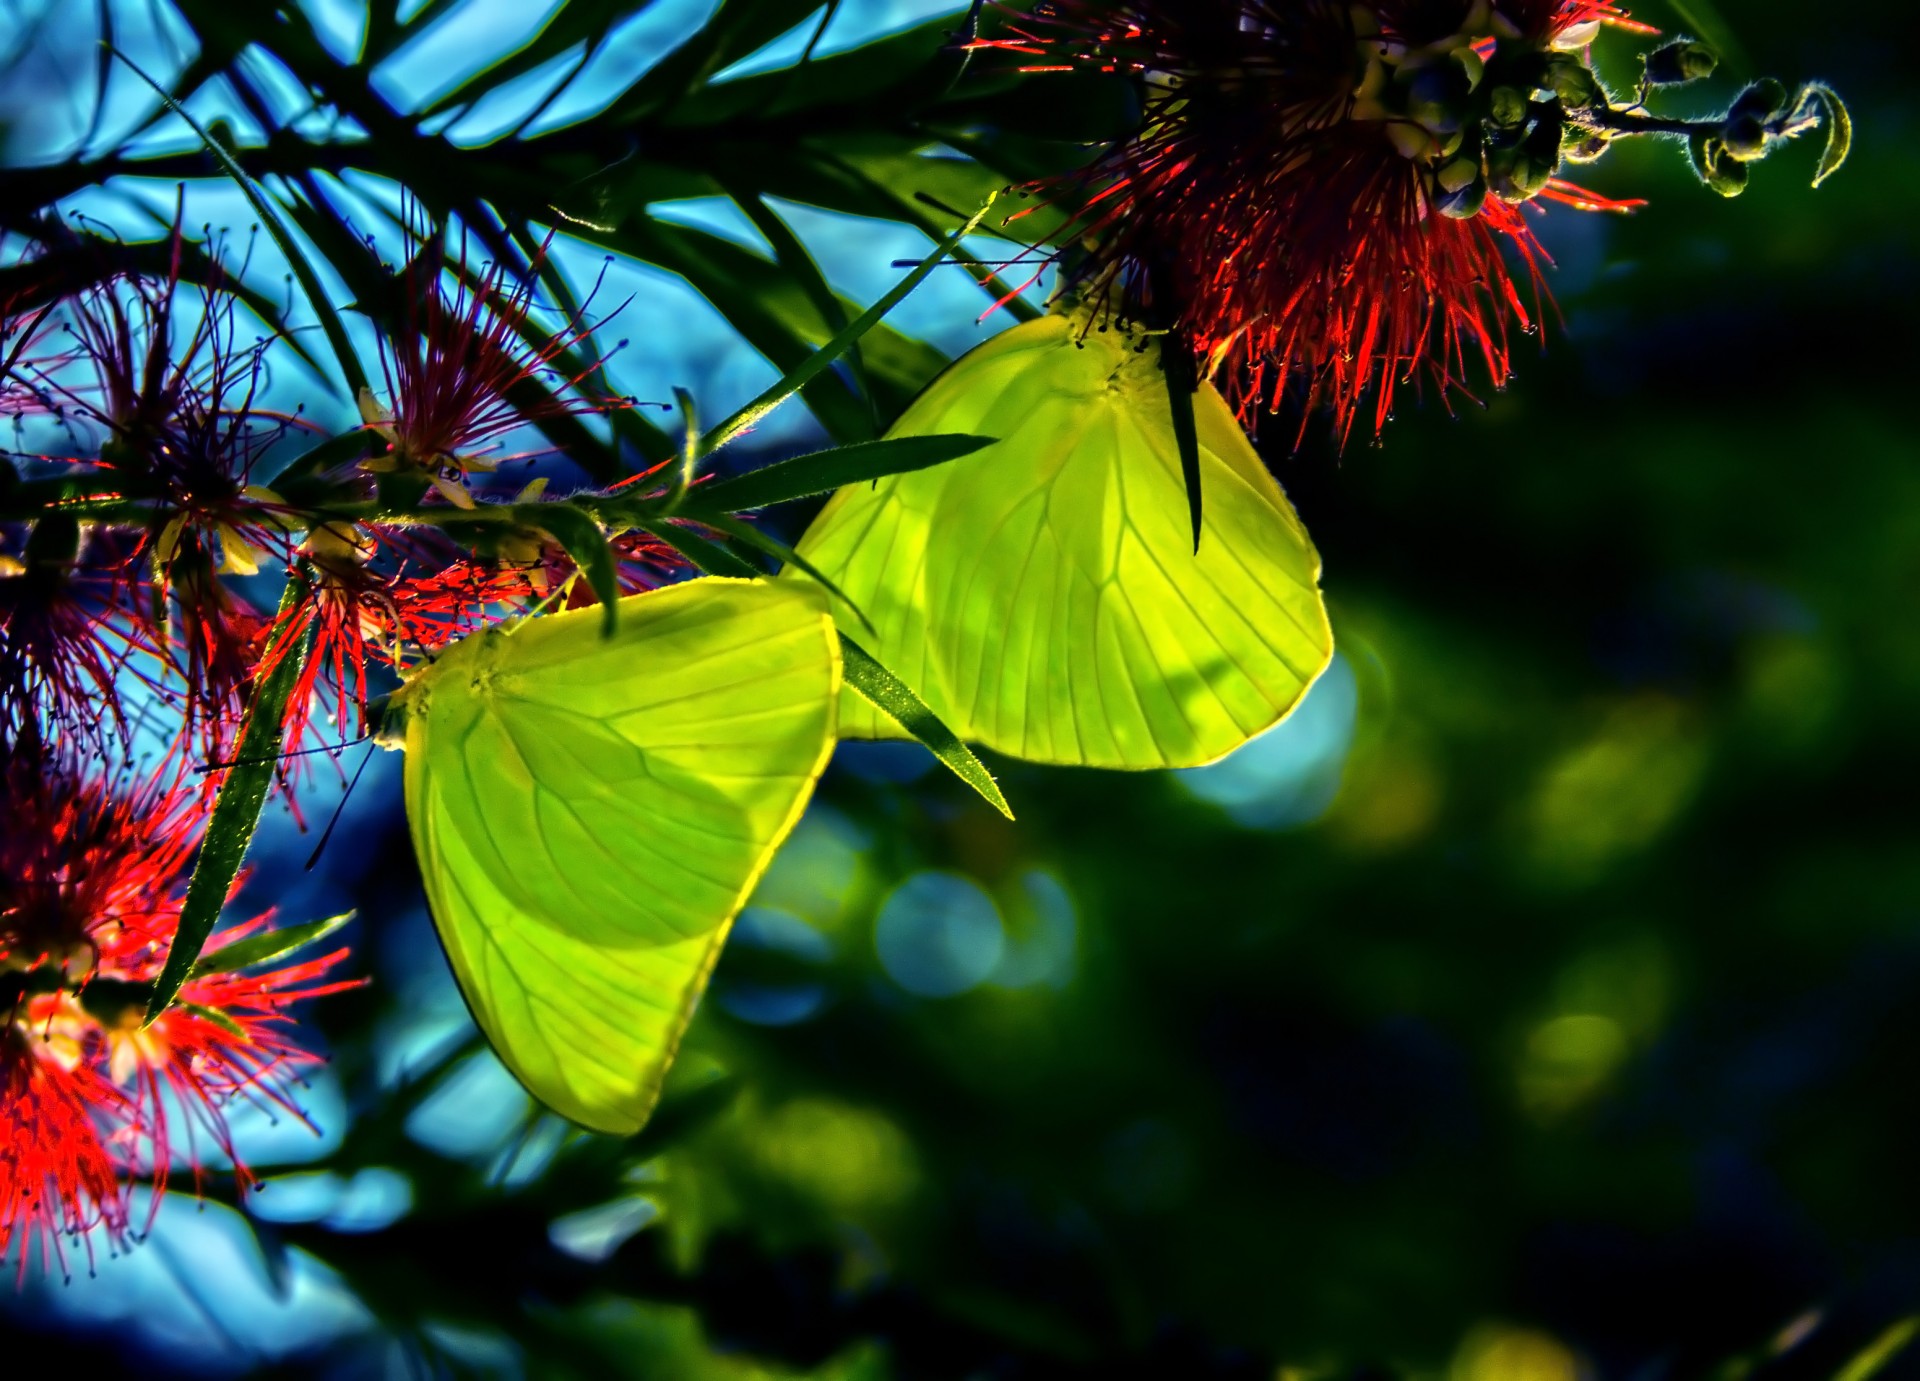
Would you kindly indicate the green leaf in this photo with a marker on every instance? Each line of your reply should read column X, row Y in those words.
column 587, row 840
column 781, row 552
column 761, row 301
column 792, row 256
column 683, row 473
column 317, row 297
column 586, row 543
column 708, row 557
column 1839, row 127
column 335, row 451
column 895, row 699
column 1881, row 1352
column 737, row 29
column 218, row 1018
column 268, row 945
column 236, row 812
column 824, row 357
column 824, row 471
column 888, row 73
column 1177, row 364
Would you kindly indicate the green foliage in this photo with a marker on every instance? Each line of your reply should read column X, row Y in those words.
column 244, row 785
column 1569, row 1039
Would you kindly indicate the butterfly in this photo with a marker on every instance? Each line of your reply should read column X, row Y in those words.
column 590, row 811
column 1043, row 595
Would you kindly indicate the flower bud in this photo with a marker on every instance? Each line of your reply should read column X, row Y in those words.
column 1763, row 100
column 1678, row 62
column 1584, row 146
column 1457, row 174
column 1437, row 96
column 1744, row 138
column 1725, row 175
column 1465, row 202
column 1570, row 80
column 1508, row 107
column 1411, row 140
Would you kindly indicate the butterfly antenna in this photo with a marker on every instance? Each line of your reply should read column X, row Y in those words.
column 207, row 767
column 338, row 811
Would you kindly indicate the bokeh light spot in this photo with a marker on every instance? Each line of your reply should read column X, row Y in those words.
column 847, row 1157
column 1499, row 1352
column 1041, row 950
column 939, row 934
column 1568, row 1060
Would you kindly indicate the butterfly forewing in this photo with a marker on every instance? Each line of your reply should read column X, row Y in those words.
column 1043, row 594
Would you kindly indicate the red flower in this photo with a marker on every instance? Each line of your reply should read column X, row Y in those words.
column 82, row 858
column 468, row 366
column 382, row 596
column 160, row 372
column 92, row 875
column 69, row 629
column 1307, row 200
column 57, row 1178
column 225, row 1039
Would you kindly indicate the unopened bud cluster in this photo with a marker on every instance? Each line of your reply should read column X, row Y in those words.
column 1490, row 112
column 1487, row 110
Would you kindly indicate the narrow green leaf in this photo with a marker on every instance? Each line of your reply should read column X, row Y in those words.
column 792, row 256
column 330, row 323
column 335, row 450
column 268, row 945
column 839, row 345
column 586, row 543
column 896, row 699
column 236, row 812
column 1881, row 1352
column 1177, row 363
column 218, row 1018
column 708, row 557
column 822, row 472
column 737, row 28
column 1839, row 127
column 780, row 551
column 689, row 452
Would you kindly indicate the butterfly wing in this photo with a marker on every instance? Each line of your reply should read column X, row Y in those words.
column 1043, row 594
column 872, row 539
column 590, row 813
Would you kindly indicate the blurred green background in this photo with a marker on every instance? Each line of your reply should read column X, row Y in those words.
column 1540, row 1002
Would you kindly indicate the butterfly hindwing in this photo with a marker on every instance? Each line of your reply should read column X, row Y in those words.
column 590, row 813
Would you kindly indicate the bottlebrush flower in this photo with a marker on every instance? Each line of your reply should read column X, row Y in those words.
column 374, row 595
column 92, row 876
column 24, row 332
column 1320, row 193
column 381, row 595
column 466, row 367
column 58, row 1181
column 224, row 1039
column 68, row 631
column 82, row 857
column 161, row 377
